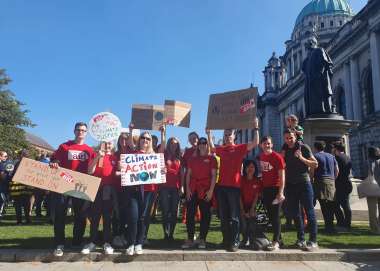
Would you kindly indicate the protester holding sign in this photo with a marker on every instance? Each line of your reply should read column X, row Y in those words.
column 104, row 166
column 74, row 155
column 228, row 191
column 169, row 191
column 137, row 200
column 200, row 184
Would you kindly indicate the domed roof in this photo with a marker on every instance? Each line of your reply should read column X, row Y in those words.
column 324, row 7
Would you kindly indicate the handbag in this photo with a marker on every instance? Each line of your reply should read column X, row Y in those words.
column 369, row 187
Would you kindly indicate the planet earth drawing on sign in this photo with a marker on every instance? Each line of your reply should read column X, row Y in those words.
column 144, row 176
column 159, row 116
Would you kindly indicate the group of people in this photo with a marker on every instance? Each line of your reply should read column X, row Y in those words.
column 208, row 176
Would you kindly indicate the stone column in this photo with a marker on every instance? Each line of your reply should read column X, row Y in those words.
column 375, row 60
column 348, row 91
column 356, row 97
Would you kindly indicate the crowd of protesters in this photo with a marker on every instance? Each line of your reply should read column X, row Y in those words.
column 208, row 177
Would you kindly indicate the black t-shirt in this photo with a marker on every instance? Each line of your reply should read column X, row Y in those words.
column 345, row 165
column 296, row 171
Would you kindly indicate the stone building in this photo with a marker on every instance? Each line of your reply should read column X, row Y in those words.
column 353, row 42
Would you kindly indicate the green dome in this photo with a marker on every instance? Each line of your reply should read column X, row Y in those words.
column 324, row 7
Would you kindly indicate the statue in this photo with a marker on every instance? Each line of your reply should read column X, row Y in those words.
column 317, row 69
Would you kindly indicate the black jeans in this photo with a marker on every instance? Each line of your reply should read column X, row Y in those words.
column 59, row 210
column 269, row 194
column 169, row 199
column 229, row 213
column 149, row 199
column 302, row 194
column 343, row 218
column 22, row 202
column 328, row 209
column 39, row 196
column 134, row 208
column 205, row 208
column 101, row 207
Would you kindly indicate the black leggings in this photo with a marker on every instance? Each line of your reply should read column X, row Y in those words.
column 269, row 194
column 205, row 208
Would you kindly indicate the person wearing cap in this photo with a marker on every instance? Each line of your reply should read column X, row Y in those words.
column 200, row 184
column 228, row 191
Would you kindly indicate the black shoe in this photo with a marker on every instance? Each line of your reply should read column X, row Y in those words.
column 234, row 247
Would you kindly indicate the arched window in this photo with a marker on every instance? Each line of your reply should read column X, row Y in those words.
column 340, row 101
column 367, row 92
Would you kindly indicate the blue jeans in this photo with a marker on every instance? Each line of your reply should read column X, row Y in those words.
column 229, row 213
column 169, row 199
column 149, row 199
column 302, row 194
column 134, row 215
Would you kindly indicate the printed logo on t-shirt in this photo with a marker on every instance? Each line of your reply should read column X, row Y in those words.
column 265, row 166
column 206, row 160
column 77, row 155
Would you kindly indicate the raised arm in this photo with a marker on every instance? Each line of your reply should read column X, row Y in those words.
column 163, row 139
column 130, row 142
column 310, row 162
column 210, row 141
column 255, row 142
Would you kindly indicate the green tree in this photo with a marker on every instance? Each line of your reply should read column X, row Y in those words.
column 13, row 118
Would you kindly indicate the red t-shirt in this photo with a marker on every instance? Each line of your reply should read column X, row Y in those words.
column 189, row 152
column 173, row 173
column 107, row 172
column 270, row 165
column 231, row 158
column 249, row 190
column 74, row 156
column 201, row 167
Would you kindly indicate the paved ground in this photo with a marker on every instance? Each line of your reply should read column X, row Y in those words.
column 192, row 266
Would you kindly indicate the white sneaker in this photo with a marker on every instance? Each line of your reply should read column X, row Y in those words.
column 108, row 249
column 130, row 250
column 88, row 248
column 58, row 252
column 138, row 249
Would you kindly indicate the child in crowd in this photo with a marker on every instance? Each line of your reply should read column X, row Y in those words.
column 251, row 188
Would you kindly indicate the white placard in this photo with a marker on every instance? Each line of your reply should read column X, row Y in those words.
column 139, row 169
column 105, row 126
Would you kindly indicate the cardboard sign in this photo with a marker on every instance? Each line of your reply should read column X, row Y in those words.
column 232, row 110
column 147, row 117
column 177, row 113
column 139, row 169
column 61, row 180
column 105, row 126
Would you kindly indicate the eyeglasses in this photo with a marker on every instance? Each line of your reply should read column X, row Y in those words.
column 145, row 138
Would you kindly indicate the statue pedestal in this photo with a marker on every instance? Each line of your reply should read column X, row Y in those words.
column 327, row 129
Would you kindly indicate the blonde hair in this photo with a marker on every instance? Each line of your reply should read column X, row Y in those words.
column 150, row 146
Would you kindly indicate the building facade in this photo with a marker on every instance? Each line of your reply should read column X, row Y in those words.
column 353, row 43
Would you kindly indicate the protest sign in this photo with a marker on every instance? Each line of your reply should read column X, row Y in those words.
column 232, row 110
column 105, row 126
column 142, row 169
column 177, row 113
column 148, row 117
column 60, row 180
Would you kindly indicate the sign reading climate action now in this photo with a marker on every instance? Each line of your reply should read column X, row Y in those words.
column 139, row 169
column 59, row 180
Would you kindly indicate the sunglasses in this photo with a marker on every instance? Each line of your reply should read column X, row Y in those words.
column 202, row 143
column 145, row 138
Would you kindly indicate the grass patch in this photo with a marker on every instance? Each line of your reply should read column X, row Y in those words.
column 39, row 235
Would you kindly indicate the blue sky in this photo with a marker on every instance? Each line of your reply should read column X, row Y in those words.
column 71, row 59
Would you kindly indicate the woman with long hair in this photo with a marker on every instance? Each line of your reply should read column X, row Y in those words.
column 169, row 191
column 137, row 197
column 104, row 166
column 200, row 184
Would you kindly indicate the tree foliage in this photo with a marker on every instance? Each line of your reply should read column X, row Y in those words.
column 12, row 119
